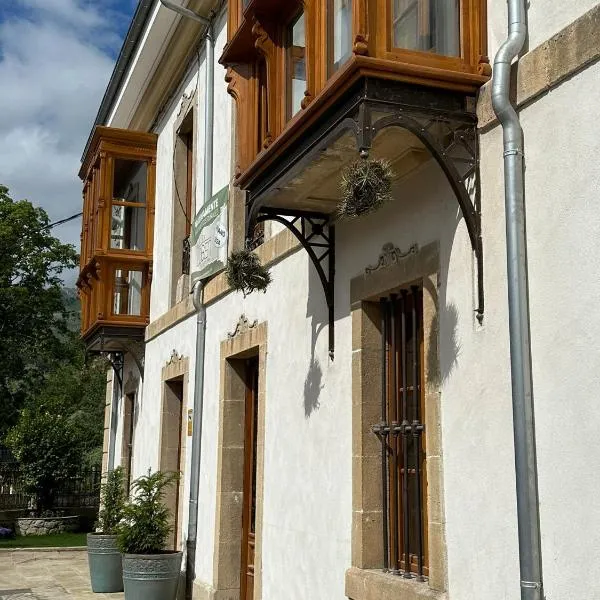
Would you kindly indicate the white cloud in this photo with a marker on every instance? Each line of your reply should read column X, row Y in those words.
column 54, row 67
column 68, row 11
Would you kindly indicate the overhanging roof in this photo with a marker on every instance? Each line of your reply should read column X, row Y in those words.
column 134, row 33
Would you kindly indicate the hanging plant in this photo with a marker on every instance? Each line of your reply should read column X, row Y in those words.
column 366, row 185
column 246, row 274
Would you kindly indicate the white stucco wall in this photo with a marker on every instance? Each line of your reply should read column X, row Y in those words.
column 307, row 493
column 545, row 18
column 163, row 231
column 563, row 225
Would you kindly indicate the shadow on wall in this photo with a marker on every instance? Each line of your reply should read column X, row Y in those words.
column 316, row 309
column 442, row 351
column 450, row 350
column 313, row 386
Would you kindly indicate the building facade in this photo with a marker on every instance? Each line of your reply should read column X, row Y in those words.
column 356, row 421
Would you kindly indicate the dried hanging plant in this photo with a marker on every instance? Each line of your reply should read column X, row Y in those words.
column 366, row 185
column 246, row 274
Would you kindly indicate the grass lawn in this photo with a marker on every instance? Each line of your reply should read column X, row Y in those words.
column 59, row 540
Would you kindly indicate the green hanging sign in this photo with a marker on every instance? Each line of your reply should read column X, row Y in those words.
column 208, row 239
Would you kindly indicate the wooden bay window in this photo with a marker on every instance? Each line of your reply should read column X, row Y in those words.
column 117, row 230
column 339, row 34
column 281, row 57
column 296, row 65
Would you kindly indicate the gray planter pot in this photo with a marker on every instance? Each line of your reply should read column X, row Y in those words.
column 106, row 566
column 151, row 576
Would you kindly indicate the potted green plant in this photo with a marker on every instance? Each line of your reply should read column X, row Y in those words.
column 104, row 557
column 149, row 571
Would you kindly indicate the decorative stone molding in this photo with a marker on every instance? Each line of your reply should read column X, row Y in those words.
column 365, row 579
column 390, row 255
column 242, row 326
column 186, row 103
column 175, row 358
column 544, row 68
column 230, row 463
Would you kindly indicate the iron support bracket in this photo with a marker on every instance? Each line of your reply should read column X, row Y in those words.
column 316, row 234
column 451, row 138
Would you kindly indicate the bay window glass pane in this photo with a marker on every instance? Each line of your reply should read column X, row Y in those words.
column 128, row 227
column 341, row 32
column 127, row 292
column 296, row 65
column 129, row 181
column 427, row 26
column 128, row 223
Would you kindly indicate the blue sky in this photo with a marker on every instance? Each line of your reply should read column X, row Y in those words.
column 56, row 57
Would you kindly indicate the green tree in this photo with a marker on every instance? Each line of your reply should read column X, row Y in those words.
column 77, row 388
column 48, row 447
column 33, row 320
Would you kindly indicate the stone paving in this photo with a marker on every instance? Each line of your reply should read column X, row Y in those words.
column 53, row 574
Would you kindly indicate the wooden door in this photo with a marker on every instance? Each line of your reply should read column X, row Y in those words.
column 171, row 450
column 249, row 508
column 128, row 428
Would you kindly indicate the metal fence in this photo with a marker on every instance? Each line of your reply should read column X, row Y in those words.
column 82, row 490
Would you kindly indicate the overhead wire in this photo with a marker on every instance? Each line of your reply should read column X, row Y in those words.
column 62, row 221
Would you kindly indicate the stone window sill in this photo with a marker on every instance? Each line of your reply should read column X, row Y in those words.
column 366, row 584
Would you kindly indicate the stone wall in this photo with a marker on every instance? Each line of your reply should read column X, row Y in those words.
column 46, row 525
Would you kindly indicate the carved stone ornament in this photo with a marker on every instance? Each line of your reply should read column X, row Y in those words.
column 242, row 326
column 391, row 255
column 174, row 357
column 186, row 101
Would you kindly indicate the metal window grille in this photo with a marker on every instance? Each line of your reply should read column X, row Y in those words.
column 258, row 236
column 185, row 256
column 401, row 432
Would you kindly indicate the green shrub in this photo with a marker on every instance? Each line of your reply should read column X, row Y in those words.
column 365, row 185
column 112, row 502
column 145, row 524
column 246, row 274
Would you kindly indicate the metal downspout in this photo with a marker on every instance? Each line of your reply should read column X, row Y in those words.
column 530, row 552
column 190, row 572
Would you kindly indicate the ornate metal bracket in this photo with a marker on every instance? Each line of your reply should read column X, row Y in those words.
column 451, row 138
column 117, row 361
column 317, row 235
column 135, row 348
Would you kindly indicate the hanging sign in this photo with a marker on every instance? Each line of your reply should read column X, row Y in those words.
column 208, row 239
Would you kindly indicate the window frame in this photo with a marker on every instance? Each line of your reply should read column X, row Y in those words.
column 366, row 579
column 331, row 67
column 470, row 22
column 144, row 296
column 147, row 206
column 291, row 61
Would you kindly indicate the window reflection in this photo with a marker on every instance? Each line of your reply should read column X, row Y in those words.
column 427, row 25
column 128, row 223
column 127, row 292
column 340, row 32
column 296, row 64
